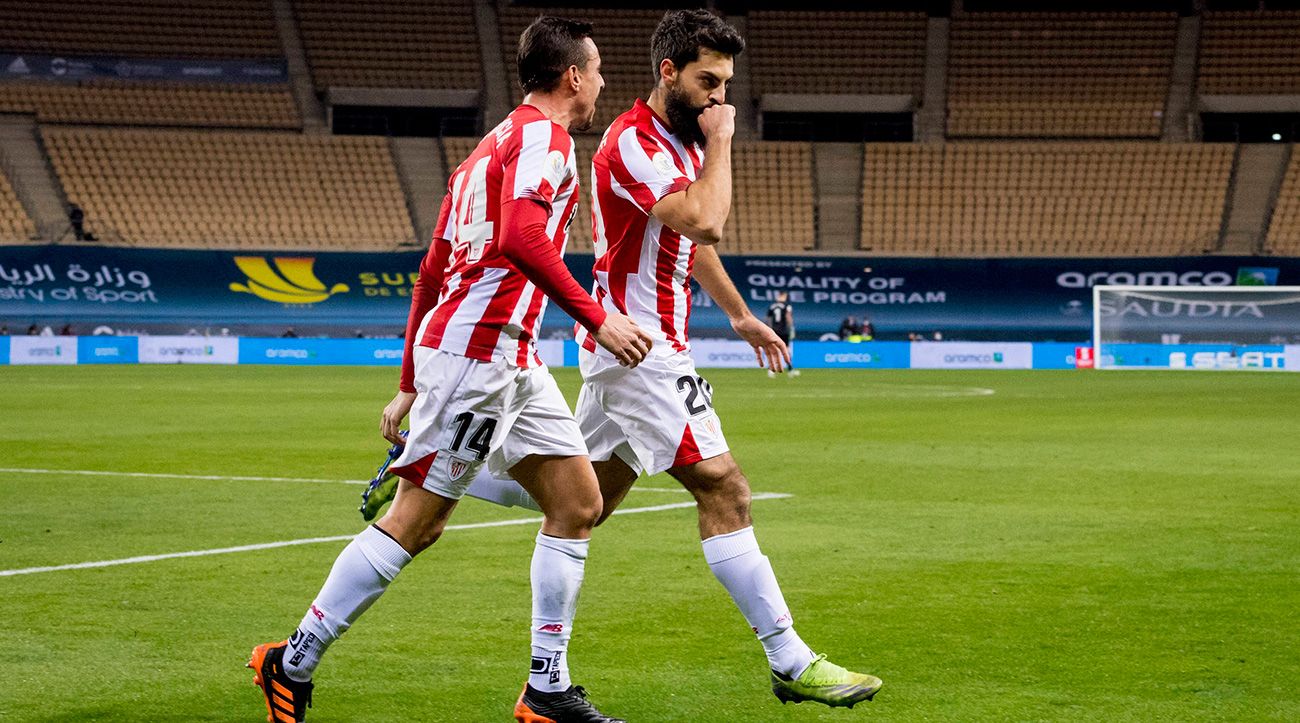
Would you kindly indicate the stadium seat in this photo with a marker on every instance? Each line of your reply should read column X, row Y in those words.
column 377, row 44
column 772, row 199
column 837, row 52
column 147, row 103
column 1059, row 75
column 219, row 189
column 15, row 225
column 1283, row 236
column 204, row 29
column 1043, row 199
column 1250, row 53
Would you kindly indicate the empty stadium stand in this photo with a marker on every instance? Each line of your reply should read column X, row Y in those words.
column 1059, row 75
column 208, row 29
column 1043, row 199
column 232, row 189
column 380, row 44
column 1284, row 231
column 772, row 199
column 161, row 104
column 15, row 224
column 1250, row 53
column 837, row 52
column 623, row 37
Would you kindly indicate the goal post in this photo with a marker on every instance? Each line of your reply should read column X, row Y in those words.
column 1196, row 327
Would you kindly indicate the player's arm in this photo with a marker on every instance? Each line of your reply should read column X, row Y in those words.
column 524, row 242
column 433, row 271
column 700, row 210
column 717, row 284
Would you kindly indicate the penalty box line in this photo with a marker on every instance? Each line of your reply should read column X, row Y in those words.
column 334, row 538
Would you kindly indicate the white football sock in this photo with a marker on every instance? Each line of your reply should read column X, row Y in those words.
column 747, row 574
column 557, row 570
column 359, row 576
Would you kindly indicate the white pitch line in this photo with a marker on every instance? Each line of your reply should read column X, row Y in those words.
column 227, row 478
column 165, row 475
column 334, row 538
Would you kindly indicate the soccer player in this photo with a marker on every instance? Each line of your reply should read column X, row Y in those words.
column 662, row 177
column 780, row 316
column 476, row 389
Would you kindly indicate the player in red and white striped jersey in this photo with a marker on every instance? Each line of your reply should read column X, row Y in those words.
column 661, row 196
column 477, row 392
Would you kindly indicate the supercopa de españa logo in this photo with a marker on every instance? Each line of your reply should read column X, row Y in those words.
column 292, row 281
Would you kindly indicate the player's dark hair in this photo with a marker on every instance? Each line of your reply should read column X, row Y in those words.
column 547, row 48
column 681, row 34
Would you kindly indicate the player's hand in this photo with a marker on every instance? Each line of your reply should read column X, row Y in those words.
column 718, row 122
column 624, row 339
column 765, row 342
column 390, row 423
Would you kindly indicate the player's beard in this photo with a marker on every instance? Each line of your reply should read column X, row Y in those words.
column 682, row 116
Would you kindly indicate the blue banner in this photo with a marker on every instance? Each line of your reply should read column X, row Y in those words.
column 315, row 352
column 28, row 66
column 108, row 350
column 349, row 294
column 1193, row 356
column 846, row 355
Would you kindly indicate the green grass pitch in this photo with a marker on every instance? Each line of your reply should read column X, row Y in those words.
column 996, row 546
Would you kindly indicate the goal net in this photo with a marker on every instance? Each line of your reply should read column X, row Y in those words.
column 1196, row 327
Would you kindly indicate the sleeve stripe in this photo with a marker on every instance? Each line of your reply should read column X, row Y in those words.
column 532, row 158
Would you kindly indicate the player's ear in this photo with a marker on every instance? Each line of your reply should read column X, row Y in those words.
column 574, row 78
column 667, row 71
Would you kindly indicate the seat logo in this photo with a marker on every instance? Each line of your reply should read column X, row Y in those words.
column 292, row 281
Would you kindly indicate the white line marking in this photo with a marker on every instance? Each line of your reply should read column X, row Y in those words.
column 227, row 478
column 164, row 475
column 334, row 538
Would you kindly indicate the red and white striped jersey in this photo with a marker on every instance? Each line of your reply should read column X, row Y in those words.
column 643, row 267
column 487, row 308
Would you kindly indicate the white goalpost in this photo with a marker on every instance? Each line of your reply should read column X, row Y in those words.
column 1196, row 327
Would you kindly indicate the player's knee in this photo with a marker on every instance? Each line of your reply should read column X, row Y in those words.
column 579, row 514
column 413, row 536
column 726, row 495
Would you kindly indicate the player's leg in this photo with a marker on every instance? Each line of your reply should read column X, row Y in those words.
column 722, row 496
column 360, row 575
column 616, row 478
column 453, row 390
column 545, row 454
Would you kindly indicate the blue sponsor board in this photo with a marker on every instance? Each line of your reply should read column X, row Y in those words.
column 108, row 350
column 317, row 352
column 847, row 355
column 4, row 350
column 1052, row 355
column 1193, row 356
column 339, row 294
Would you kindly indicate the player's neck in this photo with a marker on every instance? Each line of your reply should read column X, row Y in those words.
column 555, row 109
column 659, row 104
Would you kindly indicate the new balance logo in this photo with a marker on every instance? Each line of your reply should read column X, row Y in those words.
column 551, row 628
column 315, row 611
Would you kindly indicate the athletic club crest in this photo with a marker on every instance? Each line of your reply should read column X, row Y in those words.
column 457, row 469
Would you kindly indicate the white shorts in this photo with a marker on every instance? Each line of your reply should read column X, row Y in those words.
column 654, row 417
column 469, row 411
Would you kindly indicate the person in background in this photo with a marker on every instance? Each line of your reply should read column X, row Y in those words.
column 780, row 316
column 848, row 327
column 77, row 218
column 868, row 329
